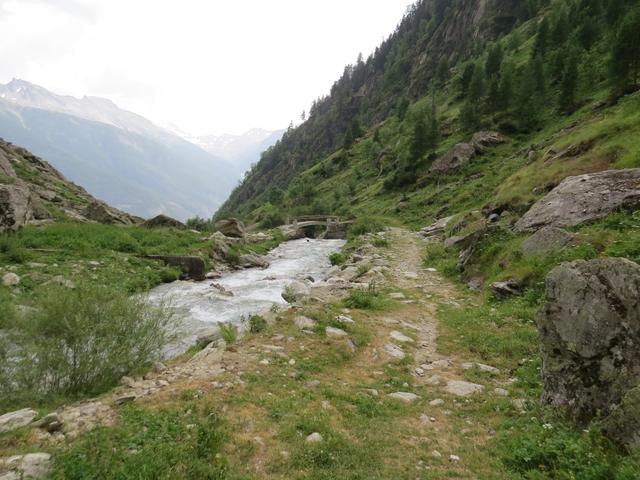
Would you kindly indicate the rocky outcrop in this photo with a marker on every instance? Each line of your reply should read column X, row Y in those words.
column 590, row 338
column 29, row 193
column 163, row 221
column 251, row 260
column 463, row 153
column 193, row 268
column 506, row 289
column 545, row 241
column 12, row 420
column 16, row 208
column 459, row 155
column 583, row 199
column 436, row 229
column 231, row 227
column 30, row 466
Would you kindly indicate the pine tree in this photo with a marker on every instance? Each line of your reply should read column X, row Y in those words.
column 506, row 87
column 419, row 139
column 542, row 38
column 528, row 98
column 494, row 61
column 625, row 54
column 471, row 112
column 569, row 84
column 465, row 79
column 402, row 108
column 442, row 73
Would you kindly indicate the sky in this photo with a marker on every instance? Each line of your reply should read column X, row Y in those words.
column 206, row 66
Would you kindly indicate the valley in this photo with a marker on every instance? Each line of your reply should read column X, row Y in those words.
column 434, row 274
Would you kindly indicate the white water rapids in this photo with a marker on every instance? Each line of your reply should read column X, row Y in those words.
column 199, row 307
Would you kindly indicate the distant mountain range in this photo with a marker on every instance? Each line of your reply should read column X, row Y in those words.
column 123, row 158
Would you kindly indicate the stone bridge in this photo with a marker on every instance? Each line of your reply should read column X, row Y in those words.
column 335, row 227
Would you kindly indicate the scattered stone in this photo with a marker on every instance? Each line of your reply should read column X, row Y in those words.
column 314, row 438
column 400, row 337
column 433, row 380
column 394, row 351
column 462, row 388
column 482, row 367
column 13, row 420
column 159, row 367
column 10, row 280
column 312, row 383
column 481, row 141
column 436, row 454
column 372, row 391
column 124, row 399
column 304, row 322
column 454, row 458
column 584, row 198
column 545, row 241
column 404, row 396
column 30, row 466
column 51, row 423
column 296, row 291
column 252, row 260
column 501, row 392
column 335, row 332
column 397, row 296
column 437, row 365
column 437, row 402
column 507, row 289
column 456, row 157
column 231, row 227
column 344, row 319
column 590, row 337
column 419, row 371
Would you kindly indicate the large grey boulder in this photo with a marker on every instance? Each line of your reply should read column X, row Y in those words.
column 30, row 466
column 20, row 418
column 252, row 260
column 484, row 140
column 545, row 241
column 16, row 206
column 459, row 155
column 100, row 212
column 590, row 336
column 623, row 425
column 163, row 221
column 584, row 198
column 231, row 227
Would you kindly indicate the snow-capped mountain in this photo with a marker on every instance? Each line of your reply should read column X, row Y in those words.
column 118, row 156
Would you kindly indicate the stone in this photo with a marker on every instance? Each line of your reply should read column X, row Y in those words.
column 461, row 388
column 124, row 399
column 400, row 337
column 252, row 260
column 404, row 396
column 456, row 157
column 296, row 291
column 231, row 227
column 344, row 319
column 436, row 229
column 335, row 332
column 481, row 141
column 397, row 296
column 102, row 213
column 16, row 207
column 454, row 458
column 51, row 423
column 163, row 221
column 10, row 280
column 314, row 438
column 192, row 267
column 501, row 392
column 584, row 198
column 394, row 351
column 30, row 466
column 433, row 380
column 13, row 420
column 436, row 454
column 545, row 241
column 304, row 322
column 507, row 289
column 438, row 402
column 590, row 336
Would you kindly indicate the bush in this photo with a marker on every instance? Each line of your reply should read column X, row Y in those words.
column 229, row 333
column 337, row 258
column 257, row 324
column 83, row 341
column 366, row 225
column 364, row 299
column 12, row 249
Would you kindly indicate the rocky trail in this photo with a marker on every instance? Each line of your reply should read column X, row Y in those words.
column 371, row 378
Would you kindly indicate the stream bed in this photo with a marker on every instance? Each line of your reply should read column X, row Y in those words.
column 199, row 307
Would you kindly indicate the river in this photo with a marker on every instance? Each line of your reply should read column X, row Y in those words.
column 199, row 307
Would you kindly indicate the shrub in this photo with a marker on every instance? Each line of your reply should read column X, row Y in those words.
column 364, row 299
column 337, row 258
column 229, row 333
column 257, row 324
column 366, row 225
column 380, row 243
column 83, row 341
column 12, row 249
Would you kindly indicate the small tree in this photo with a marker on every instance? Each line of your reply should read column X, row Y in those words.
column 472, row 111
column 542, row 38
column 442, row 73
column 625, row 54
column 569, row 84
column 494, row 61
column 465, row 79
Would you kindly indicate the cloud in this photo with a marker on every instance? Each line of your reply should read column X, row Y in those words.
column 85, row 9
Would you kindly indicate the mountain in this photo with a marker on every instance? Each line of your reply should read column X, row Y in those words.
column 240, row 150
column 32, row 192
column 120, row 157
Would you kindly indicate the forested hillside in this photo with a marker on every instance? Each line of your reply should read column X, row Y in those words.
column 540, row 72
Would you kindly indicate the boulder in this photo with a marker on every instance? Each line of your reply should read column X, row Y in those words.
column 545, row 241
column 296, row 291
column 335, row 332
column 406, row 397
column 20, row 418
column 290, row 232
column 455, row 158
column 305, row 323
column 30, row 466
column 507, row 289
column 10, row 280
column 461, row 388
column 100, row 212
column 436, row 229
column 252, row 260
column 163, row 221
column 484, row 140
column 584, row 198
column 193, row 268
column 623, row 425
column 231, row 227
column 590, row 336
column 6, row 168
column 220, row 245
column 16, row 207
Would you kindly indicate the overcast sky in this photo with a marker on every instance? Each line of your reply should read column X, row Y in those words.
column 208, row 66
